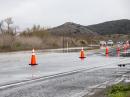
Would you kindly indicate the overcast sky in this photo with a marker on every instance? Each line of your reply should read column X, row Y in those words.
column 50, row 13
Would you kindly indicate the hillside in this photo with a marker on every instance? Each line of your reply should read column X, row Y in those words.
column 70, row 28
column 112, row 27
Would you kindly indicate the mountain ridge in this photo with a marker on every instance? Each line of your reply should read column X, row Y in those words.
column 110, row 27
column 70, row 28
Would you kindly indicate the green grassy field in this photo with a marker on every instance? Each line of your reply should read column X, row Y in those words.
column 119, row 90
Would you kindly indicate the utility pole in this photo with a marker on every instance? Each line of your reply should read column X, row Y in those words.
column 63, row 41
column 67, row 46
column 91, row 43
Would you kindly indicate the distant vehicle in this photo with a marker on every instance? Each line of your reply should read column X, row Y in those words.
column 103, row 43
column 120, row 42
column 110, row 43
column 127, row 42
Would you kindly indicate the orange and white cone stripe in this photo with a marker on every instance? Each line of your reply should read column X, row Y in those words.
column 33, row 58
column 82, row 55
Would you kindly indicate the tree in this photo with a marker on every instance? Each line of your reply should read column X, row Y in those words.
column 9, row 21
column 7, row 27
column 1, row 24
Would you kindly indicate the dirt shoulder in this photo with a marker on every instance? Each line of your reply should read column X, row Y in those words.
column 98, row 93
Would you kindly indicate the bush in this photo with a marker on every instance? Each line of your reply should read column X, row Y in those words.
column 27, row 42
column 117, row 88
column 6, row 41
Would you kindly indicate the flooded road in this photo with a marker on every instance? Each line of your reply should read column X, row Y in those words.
column 58, row 74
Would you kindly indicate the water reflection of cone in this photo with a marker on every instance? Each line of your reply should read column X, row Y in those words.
column 107, row 55
column 82, row 55
column 33, row 59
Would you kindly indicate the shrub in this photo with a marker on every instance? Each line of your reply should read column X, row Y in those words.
column 26, row 43
column 6, row 41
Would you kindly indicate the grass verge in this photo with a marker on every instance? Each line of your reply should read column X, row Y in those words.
column 119, row 90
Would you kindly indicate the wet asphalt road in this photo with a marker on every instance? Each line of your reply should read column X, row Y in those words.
column 77, row 77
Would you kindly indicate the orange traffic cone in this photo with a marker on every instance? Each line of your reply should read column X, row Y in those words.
column 125, row 48
column 118, row 53
column 118, row 49
column 82, row 55
column 33, row 59
column 107, row 51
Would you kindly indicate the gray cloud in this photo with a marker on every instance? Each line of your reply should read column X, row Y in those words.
column 55, row 12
